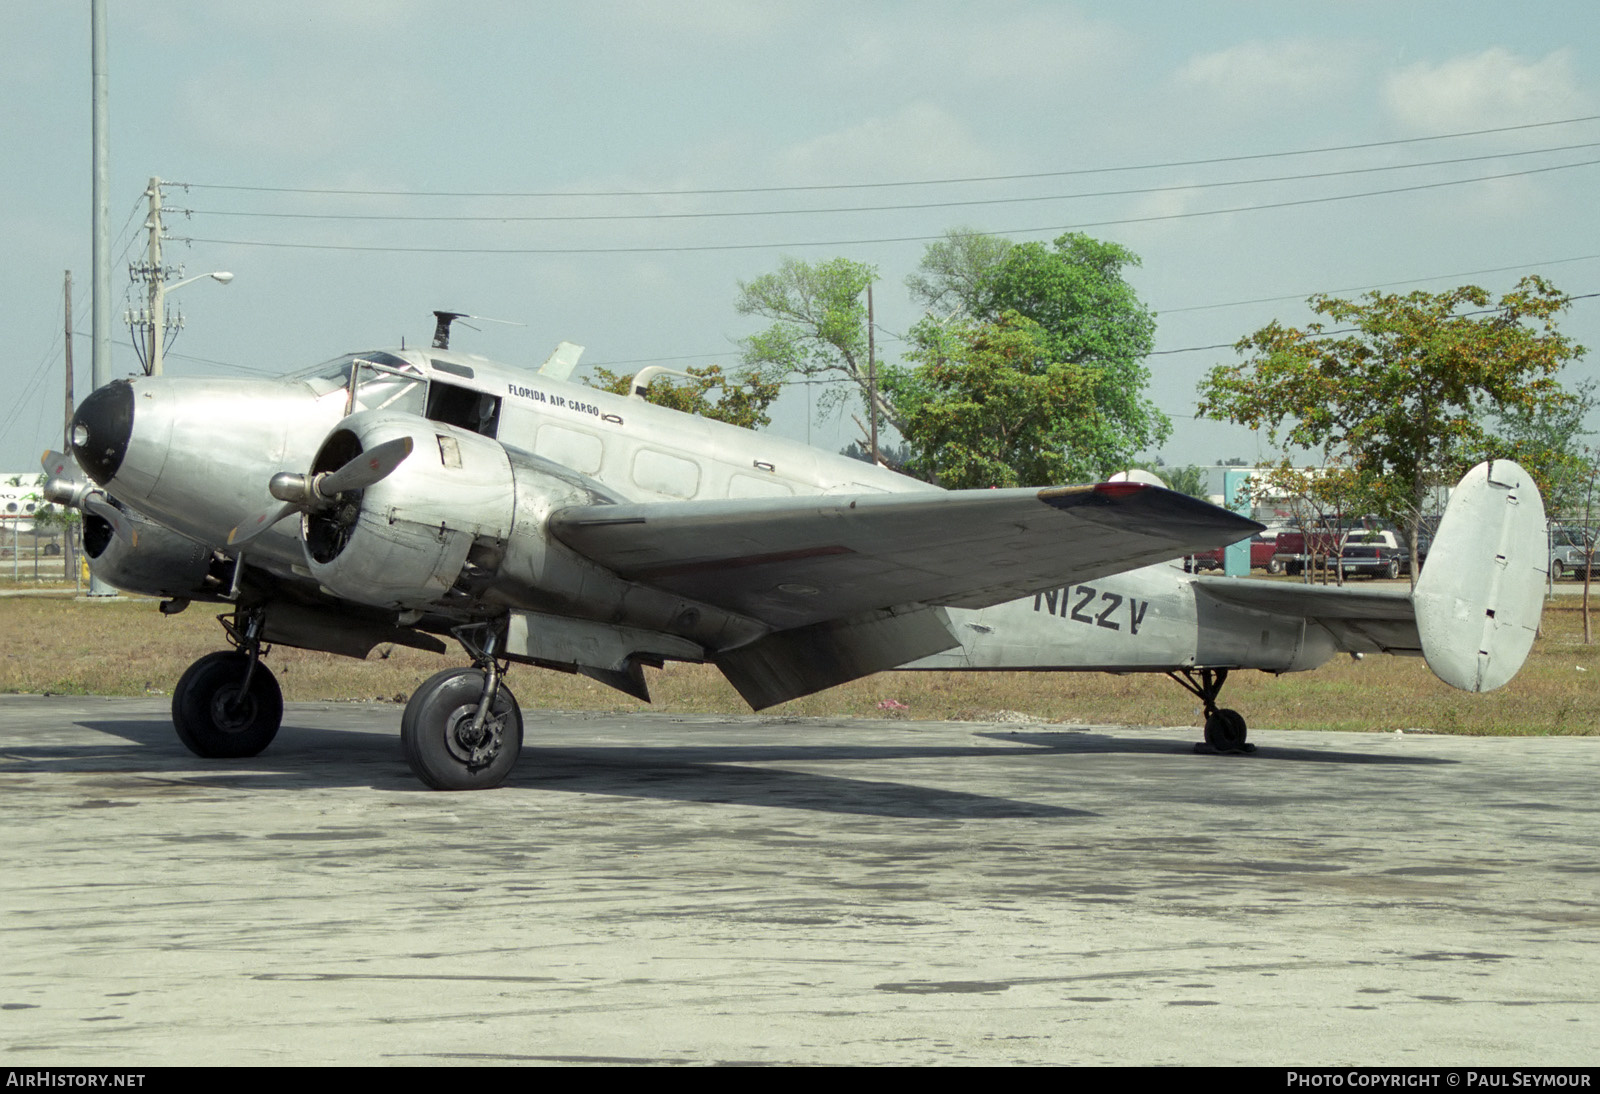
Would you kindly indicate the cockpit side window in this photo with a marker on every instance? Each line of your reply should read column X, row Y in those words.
column 464, row 407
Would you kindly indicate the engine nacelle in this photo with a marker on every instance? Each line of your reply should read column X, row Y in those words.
column 447, row 512
column 156, row 562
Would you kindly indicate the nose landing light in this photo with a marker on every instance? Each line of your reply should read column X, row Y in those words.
column 101, row 429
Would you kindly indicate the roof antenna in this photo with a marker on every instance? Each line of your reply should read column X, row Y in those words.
column 441, row 330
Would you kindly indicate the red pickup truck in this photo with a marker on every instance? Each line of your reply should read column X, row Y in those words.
column 1263, row 555
column 1295, row 549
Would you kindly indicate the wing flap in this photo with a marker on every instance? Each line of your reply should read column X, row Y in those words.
column 794, row 562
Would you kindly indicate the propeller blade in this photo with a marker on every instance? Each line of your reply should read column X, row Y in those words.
column 249, row 529
column 371, row 466
column 59, row 465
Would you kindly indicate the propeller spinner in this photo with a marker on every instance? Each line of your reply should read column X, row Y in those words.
column 65, row 485
column 314, row 493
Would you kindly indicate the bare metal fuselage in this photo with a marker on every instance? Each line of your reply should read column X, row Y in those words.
column 205, row 450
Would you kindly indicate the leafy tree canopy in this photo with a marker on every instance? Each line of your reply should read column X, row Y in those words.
column 1090, row 316
column 1403, row 385
column 954, row 270
column 819, row 327
column 1189, row 480
column 1547, row 440
column 988, row 404
column 743, row 400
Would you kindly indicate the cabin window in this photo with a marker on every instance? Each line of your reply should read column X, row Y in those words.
column 583, row 452
column 663, row 473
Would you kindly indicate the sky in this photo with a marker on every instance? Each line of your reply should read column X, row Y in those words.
column 607, row 173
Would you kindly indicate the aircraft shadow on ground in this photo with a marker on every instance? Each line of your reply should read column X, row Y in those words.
column 734, row 774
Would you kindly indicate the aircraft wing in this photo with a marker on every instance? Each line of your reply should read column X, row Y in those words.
column 1380, row 619
column 800, row 561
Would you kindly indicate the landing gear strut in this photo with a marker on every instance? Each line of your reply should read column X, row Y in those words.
column 462, row 729
column 1225, row 729
column 228, row 705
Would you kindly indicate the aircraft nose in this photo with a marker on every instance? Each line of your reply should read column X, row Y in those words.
column 101, row 429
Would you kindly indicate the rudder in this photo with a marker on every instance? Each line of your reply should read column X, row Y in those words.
column 1479, row 598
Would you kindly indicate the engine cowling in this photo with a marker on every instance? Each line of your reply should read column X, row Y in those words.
column 153, row 561
column 449, row 510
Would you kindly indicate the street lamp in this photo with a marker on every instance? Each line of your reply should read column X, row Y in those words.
column 155, row 320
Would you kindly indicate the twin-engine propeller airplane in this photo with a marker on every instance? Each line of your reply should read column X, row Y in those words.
column 435, row 493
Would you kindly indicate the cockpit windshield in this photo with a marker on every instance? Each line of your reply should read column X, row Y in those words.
column 381, row 381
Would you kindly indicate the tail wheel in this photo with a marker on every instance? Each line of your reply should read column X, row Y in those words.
column 440, row 742
column 217, row 715
column 1226, row 731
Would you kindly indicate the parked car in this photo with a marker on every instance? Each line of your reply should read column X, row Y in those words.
column 1263, row 555
column 1296, row 549
column 1381, row 553
column 1571, row 552
column 1374, row 553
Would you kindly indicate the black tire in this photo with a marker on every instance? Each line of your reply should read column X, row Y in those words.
column 1226, row 731
column 1274, row 566
column 433, row 728
column 218, row 721
column 1557, row 570
column 1392, row 570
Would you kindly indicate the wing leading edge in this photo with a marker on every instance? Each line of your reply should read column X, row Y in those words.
column 795, row 562
column 853, row 585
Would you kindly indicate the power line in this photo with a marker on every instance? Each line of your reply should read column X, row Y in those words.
column 883, row 185
column 683, row 248
column 1380, row 285
column 903, row 207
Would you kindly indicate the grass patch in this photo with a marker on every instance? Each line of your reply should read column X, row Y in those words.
column 125, row 647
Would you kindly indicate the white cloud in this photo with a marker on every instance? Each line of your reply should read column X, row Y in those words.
column 1494, row 87
column 918, row 140
column 1266, row 73
column 715, row 20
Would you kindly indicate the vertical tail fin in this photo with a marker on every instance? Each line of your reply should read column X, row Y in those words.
column 1479, row 598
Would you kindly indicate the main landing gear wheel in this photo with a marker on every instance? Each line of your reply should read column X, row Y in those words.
column 224, row 710
column 443, row 740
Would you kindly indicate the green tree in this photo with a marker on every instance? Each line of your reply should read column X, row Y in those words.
column 819, row 327
column 1547, row 440
column 989, row 404
column 743, row 400
column 954, row 271
column 1402, row 388
column 1189, row 480
column 1091, row 317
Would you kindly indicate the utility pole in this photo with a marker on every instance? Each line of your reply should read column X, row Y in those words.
column 872, row 380
column 100, row 365
column 101, row 170
column 66, row 431
column 69, row 550
column 150, row 325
